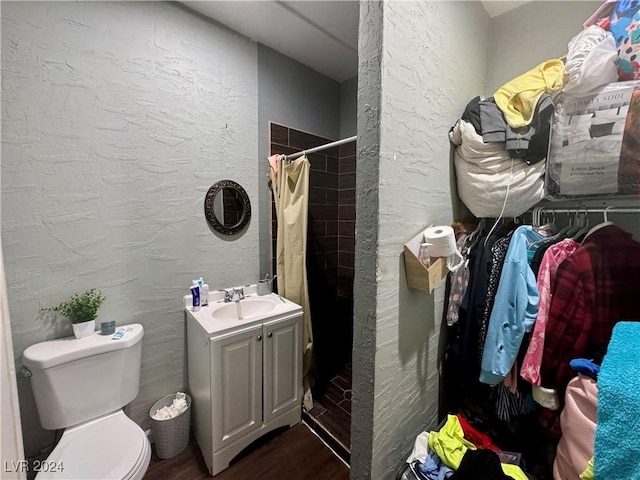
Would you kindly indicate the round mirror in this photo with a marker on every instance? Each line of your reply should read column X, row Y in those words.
column 227, row 207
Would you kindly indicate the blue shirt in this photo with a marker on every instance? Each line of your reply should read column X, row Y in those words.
column 514, row 310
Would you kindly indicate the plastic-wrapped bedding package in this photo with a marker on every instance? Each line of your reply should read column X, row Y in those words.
column 595, row 144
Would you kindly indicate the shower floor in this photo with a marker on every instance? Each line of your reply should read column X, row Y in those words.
column 330, row 416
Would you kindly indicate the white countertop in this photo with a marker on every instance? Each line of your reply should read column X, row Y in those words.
column 216, row 326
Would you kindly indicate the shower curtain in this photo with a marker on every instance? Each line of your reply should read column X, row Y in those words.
column 290, row 184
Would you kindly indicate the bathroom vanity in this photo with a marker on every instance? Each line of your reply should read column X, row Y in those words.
column 245, row 374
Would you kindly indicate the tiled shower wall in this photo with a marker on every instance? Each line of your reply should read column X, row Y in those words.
column 330, row 242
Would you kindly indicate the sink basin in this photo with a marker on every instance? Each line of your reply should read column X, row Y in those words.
column 249, row 307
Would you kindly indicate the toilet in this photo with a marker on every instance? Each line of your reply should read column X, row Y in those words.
column 82, row 385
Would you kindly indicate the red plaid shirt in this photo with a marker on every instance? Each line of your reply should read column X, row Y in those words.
column 594, row 288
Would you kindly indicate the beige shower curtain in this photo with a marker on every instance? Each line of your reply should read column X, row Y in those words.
column 291, row 192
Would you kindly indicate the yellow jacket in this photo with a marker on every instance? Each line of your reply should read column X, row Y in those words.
column 518, row 98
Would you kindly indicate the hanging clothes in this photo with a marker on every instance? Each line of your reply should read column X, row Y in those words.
column 290, row 183
column 498, row 254
column 514, row 309
column 554, row 255
column 595, row 288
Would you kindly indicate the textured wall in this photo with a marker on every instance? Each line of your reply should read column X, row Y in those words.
column 296, row 96
column 529, row 35
column 349, row 107
column 365, row 286
column 116, row 119
column 426, row 84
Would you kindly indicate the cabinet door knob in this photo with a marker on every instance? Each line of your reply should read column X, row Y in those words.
column 270, row 334
column 259, row 337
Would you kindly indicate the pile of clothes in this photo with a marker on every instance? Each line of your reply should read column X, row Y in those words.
column 458, row 451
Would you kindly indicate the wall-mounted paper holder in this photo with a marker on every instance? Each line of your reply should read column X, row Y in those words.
column 419, row 276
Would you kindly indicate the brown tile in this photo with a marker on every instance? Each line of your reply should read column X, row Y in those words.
column 346, row 259
column 346, row 405
column 333, row 260
column 330, row 244
column 332, row 228
column 323, row 212
column 346, row 273
column 347, row 229
column 345, row 373
column 341, row 383
column 348, row 197
column 334, row 393
column 317, row 196
column 346, row 213
column 345, row 290
column 278, row 148
column 331, row 274
column 318, row 163
column 347, row 180
column 319, row 259
column 279, row 134
column 317, row 410
column 323, row 179
column 333, row 165
column 347, row 164
column 337, row 421
column 302, row 140
column 332, row 196
column 348, row 149
column 347, row 244
column 318, row 229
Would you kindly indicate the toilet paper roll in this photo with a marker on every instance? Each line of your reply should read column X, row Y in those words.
column 442, row 242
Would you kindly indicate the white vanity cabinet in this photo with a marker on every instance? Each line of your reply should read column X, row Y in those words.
column 245, row 378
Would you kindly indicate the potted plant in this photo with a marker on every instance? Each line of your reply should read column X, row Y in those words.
column 81, row 309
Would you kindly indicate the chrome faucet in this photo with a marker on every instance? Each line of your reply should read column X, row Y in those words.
column 235, row 295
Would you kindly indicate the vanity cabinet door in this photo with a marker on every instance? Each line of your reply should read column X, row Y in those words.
column 282, row 366
column 236, row 384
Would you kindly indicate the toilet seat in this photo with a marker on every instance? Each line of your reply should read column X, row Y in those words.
column 111, row 447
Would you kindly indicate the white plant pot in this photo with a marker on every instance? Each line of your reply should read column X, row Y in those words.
column 84, row 329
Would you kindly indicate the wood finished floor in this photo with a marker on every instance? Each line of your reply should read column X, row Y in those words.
column 295, row 454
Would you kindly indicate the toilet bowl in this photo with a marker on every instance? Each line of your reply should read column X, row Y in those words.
column 110, row 447
column 81, row 386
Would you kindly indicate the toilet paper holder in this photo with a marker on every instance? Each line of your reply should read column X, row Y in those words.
column 418, row 275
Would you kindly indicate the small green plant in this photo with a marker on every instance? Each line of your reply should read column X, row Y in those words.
column 81, row 307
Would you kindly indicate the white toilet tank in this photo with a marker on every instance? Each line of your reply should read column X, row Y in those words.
column 75, row 380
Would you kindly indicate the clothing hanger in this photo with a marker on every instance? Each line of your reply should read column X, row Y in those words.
column 578, row 236
column 597, row 227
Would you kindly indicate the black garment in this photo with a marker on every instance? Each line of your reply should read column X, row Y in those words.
column 498, row 254
column 480, row 465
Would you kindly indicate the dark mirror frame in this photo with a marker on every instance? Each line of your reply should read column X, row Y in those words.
column 209, row 213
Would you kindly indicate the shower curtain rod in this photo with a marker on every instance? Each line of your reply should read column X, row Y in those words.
column 293, row 156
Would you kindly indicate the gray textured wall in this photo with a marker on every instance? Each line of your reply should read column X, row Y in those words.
column 349, row 108
column 529, row 35
column 426, row 84
column 116, row 119
column 365, row 285
column 296, row 96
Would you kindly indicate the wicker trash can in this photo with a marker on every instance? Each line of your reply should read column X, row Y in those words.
column 171, row 436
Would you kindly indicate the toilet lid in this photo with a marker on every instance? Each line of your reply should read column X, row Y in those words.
column 111, row 447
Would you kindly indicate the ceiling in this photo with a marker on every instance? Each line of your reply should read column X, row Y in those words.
column 320, row 34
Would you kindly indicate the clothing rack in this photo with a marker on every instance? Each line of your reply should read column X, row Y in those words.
column 587, row 210
column 293, row 156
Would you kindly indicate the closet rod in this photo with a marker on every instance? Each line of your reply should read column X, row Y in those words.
column 293, row 156
column 591, row 210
